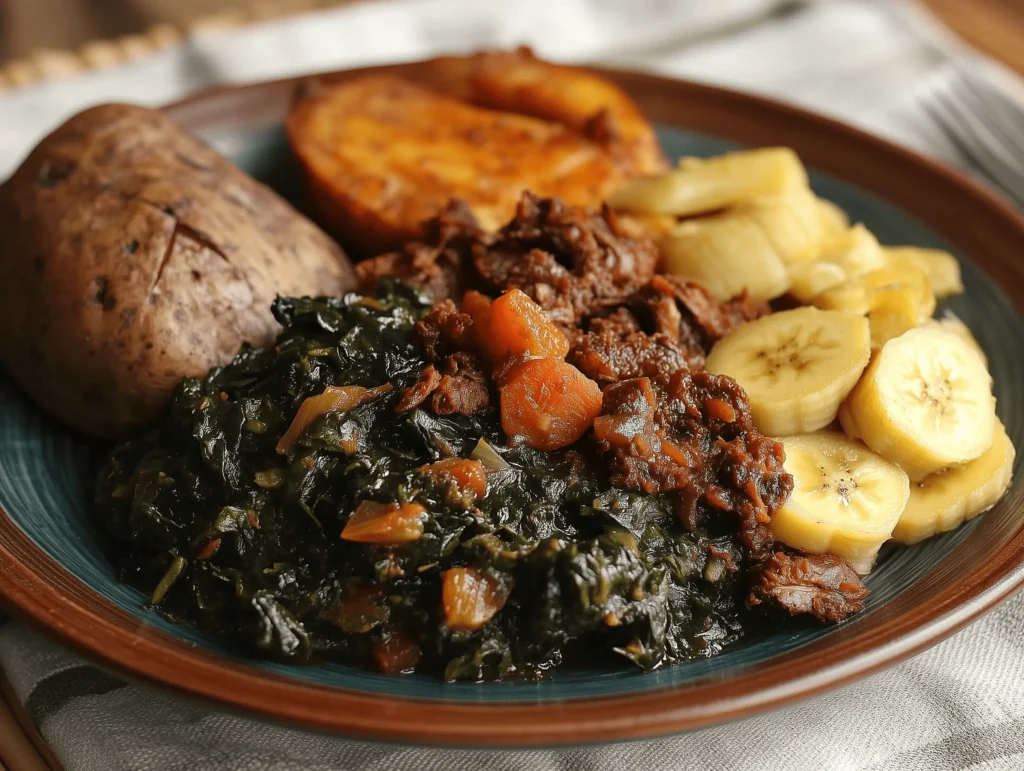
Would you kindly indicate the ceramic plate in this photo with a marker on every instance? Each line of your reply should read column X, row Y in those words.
column 53, row 574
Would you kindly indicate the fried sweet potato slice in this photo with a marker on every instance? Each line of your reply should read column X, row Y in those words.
column 584, row 102
column 382, row 154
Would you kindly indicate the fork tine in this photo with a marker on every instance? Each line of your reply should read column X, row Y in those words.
column 976, row 123
column 1004, row 116
column 980, row 166
column 977, row 143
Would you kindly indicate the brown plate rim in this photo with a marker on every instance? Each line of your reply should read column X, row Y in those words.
column 39, row 590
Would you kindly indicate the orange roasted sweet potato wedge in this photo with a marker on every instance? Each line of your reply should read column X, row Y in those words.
column 382, row 153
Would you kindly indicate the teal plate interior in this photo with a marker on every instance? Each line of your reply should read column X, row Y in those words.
column 45, row 470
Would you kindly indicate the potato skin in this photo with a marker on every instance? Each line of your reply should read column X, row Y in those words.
column 133, row 255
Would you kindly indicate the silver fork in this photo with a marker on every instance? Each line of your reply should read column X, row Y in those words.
column 985, row 123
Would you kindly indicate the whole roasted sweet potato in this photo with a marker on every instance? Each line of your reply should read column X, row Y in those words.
column 132, row 255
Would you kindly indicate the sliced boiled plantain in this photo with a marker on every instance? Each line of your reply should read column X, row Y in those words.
column 846, row 499
column 791, row 220
column 942, row 268
column 925, row 402
column 944, row 500
column 953, row 323
column 809, row 279
column 702, row 185
column 895, row 299
column 748, row 247
column 833, row 219
column 796, row 366
column 855, row 250
column 856, row 294
column 728, row 255
column 894, row 309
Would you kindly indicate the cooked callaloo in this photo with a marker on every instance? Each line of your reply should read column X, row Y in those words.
column 530, row 448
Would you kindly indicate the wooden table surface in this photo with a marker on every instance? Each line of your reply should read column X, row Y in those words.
column 993, row 26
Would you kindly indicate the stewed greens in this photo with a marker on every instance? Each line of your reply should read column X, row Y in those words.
column 226, row 524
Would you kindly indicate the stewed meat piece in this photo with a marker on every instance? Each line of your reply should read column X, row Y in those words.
column 822, row 584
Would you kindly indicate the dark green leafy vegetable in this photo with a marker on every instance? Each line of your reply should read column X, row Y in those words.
column 206, row 515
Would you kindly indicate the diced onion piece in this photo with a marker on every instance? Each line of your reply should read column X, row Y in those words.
column 488, row 456
column 333, row 399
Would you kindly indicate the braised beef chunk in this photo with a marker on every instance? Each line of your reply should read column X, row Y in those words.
column 822, row 584
column 439, row 265
column 699, row 402
column 445, row 330
column 685, row 311
column 626, row 428
column 621, row 322
column 459, row 387
column 571, row 262
column 413, row 396
column 700, row 445
column 755, row 484
column 614, row 354
column 456, row 381
column 463, row 388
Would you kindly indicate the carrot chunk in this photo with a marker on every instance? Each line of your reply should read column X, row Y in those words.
column 361, row 610
column 396, row 653
column 209, row 550
column 468, row 474
column 469, row 598
column 475, row 304
column 548, row 404
column 385, row 523
column 513, row 325
column 333, row 399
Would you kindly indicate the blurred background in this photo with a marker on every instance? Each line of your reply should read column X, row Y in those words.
column 39, row 37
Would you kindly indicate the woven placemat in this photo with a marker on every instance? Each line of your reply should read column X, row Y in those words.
column 47, row 63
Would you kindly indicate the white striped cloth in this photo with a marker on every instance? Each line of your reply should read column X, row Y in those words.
column 958, row 706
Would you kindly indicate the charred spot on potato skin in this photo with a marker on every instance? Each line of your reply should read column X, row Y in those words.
column 197, row 276
column 103, row 296
column 131, row 247
column 52, row 173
